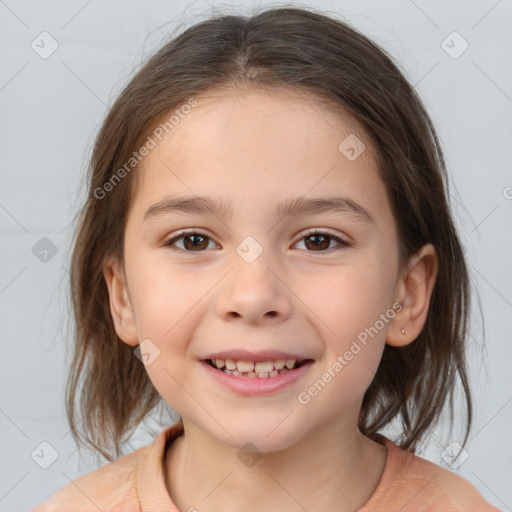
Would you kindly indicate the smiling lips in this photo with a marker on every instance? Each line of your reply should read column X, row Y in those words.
column 259, row 369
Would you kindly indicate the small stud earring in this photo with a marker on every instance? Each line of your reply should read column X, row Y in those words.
column 402, row 330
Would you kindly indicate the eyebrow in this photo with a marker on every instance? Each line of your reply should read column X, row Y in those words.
column 293, row 206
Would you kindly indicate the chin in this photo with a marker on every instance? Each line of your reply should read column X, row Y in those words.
column 266, row 437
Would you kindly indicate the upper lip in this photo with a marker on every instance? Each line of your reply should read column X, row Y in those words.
column 263, row 355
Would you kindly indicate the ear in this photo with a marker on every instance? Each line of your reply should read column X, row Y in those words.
column 120, row 303
column 414, row 291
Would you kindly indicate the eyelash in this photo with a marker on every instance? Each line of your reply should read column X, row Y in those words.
column 342, row 243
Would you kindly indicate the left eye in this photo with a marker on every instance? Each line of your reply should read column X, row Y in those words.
column 320, row 240
column 195, row 242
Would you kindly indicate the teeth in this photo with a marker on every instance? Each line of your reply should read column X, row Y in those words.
column 264, row 367
column 245, row 366
column 261, row 369
column 249, row 366
column 230, row 364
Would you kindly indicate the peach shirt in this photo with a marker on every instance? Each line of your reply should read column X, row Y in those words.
column 135, row 482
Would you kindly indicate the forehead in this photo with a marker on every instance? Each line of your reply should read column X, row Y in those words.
column 258, row 147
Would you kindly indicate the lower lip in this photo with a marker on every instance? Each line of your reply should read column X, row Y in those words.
column 257, row 385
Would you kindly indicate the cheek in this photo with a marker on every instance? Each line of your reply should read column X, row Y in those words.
column 355, row 309
column 350, row 299
column 353, row 325
column 169, row 309
column 165, row 299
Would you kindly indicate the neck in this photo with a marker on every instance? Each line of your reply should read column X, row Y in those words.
column 336, row 468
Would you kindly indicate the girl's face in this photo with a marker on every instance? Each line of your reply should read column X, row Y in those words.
column 255, row 279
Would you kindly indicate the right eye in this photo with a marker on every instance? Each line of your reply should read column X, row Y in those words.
column 191, row 239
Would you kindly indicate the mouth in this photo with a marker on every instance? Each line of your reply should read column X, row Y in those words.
column 256, row 369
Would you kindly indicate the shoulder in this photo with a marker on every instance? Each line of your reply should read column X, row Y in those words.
column 110, row 487
column 410, row 482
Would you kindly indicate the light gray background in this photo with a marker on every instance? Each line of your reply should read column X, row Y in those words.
column 50, row 113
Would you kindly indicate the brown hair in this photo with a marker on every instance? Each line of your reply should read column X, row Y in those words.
column 108, row 390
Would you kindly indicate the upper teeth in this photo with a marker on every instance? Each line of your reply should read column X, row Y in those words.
column 249, row 366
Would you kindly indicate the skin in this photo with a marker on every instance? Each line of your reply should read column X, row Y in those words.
column 256, row 148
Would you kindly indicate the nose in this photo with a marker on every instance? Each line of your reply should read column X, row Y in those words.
column 254, row 293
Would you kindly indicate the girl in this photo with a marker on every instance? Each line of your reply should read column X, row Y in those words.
column 267, row 246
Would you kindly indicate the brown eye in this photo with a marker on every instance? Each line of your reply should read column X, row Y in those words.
column 192, row 242
column 318, row 241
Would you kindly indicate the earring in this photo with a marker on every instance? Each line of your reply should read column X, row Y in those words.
column 402, row 330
